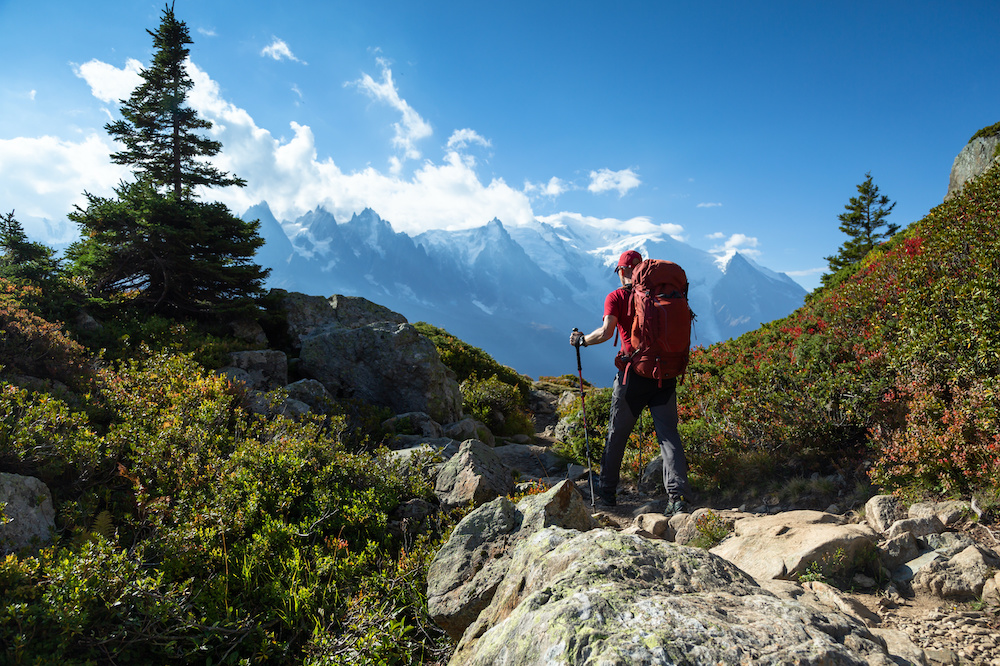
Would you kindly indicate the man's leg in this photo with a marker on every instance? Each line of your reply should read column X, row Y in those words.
column 663, row 408
column 620, row 425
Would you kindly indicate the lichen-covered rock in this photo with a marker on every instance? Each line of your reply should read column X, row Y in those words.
column 898, row 550
column 414, row 423
column 960, row 577
column 603, row 597
column 307, row 314
column 918, row 527
column 466, row 571
column 383, row 363
column 786, row 544
column 974, row 160
column 532, row 460
column 949, row 512
column 475, row 475
column 882, row 511
column 266, row 369
column 470, row 428
column 28, row 517
column 312, row 393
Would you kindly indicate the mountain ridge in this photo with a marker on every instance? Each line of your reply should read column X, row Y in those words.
column 515, row 292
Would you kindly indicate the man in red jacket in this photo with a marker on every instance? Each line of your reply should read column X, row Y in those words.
column 629, row 398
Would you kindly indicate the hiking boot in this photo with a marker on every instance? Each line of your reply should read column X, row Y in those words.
column 675, row 505
column 605, row 498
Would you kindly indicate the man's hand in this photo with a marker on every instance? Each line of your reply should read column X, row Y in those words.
column 576, row 338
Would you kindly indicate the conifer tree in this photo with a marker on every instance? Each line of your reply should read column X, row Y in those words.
column 153, row 241
column 862, row 221
column 161, row 134
column 23, row 260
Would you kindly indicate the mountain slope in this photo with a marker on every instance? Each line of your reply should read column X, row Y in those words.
column 899, row 354
column 514, row 292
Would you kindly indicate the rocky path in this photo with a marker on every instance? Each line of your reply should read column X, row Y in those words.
column 948, row 632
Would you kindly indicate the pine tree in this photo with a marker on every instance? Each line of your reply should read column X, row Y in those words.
column 22, row 260
column 862, row 220
column 154, row 242
column 161, row 134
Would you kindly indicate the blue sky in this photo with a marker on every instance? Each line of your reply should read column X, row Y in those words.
column 733, row 125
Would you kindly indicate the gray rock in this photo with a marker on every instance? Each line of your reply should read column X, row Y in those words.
column 973, row 160
column 905, row 572
column 960, row 577
column 312, row 393
column 249, row 330
column 882, row 511
column 414, row 423
column 305, row 315
column 532, row 460
column 470, row 428
column 898, row 550
column 948, row 544
column 918, row 527
column 787, row 544
column 385, row 364
column 27, row 511
column 950, row 512
column 603, row 597
column 475, row 475
column 464, row 575
column 266, row 369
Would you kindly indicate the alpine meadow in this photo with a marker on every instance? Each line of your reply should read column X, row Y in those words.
column 202, row 515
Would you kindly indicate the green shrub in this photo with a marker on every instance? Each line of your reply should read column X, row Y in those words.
column 468, row 362
column 497, row 404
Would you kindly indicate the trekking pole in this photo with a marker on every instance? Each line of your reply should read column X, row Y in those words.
column 583, row 405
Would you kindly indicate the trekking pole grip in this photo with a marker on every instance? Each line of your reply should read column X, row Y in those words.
column 579, row 367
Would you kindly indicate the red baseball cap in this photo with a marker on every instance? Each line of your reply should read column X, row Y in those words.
column 628, row 259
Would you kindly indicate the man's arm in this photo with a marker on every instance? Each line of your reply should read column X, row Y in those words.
column 598, row 335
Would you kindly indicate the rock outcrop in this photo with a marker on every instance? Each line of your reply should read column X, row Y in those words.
column 975, row 159
column 609, row 598
column 466, row 571
column 27, row 517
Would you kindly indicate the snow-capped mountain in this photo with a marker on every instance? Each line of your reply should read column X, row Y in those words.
column 516, row 293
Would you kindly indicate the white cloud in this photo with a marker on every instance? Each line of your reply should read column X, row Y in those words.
column 708, row 205
column 606, row 180
column 208, row 32
column 553, row 188
column 108, row 83
column 43, row 178
column 459, row 139
column 31, row 95
column 636, row 226
column 411, row 128
column 807, row 272
column 716, row 236
column 279, row 50
column 741, row 243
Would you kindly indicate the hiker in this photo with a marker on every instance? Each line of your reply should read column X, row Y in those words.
column 630, row 394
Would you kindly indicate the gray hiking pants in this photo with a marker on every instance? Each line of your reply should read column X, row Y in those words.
column 627, row 402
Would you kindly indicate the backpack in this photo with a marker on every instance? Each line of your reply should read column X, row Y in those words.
column 661, row 325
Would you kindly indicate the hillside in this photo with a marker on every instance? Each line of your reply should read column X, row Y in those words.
column 894, row 364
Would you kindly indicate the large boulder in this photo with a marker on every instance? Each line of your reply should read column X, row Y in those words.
column 962, row 576
column 383, row 363
column 475, row 475
column 604, row 597
column 881, row 511
column 532, row 460
column 307, row 314
column 262, row 370
column 786, row 545
column 27, row 517
column 466, row 571
column 974, row 160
